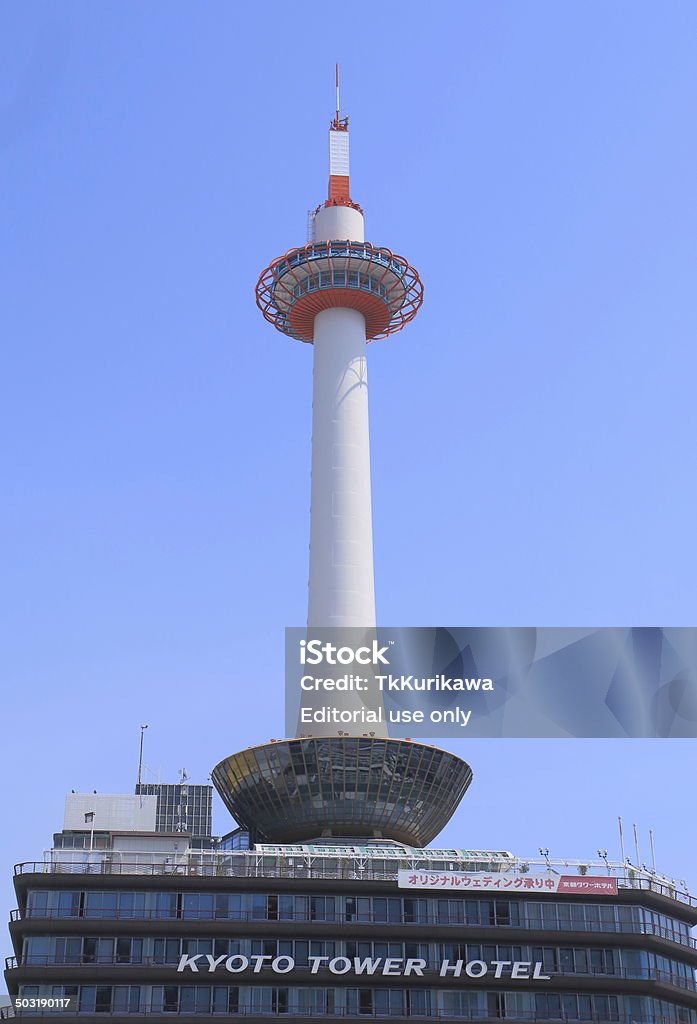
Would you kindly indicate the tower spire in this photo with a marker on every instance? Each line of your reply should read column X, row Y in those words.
column 339, row 193
column 338, row 104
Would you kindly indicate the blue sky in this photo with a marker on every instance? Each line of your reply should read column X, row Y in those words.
column 533, row 431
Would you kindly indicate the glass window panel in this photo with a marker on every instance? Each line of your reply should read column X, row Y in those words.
column 88, row 996
column 165, row 904
column 566, row 961
column 102, row 1002
column 549, row 915
column 170, row 998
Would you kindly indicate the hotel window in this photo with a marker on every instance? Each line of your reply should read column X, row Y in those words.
column 417, row 1003
column 261, row 999
column 53, row 904
column 322, row 908
column 322, row 948
column 196, row 905
column 584, row 1006
column 548, row 1006
column 170, row 998
column 279, row 1000
column 259, row 908
column 360, row 1000
column 417, row 950
column 549, row 915
column 89, row 951
column 607, row 918
column 452, row 911
column 388, row 1002
column 126, row 999
column 358, row 908
column 101, row 904
column 361, row 949
column 225, row 1000
column 195, row 999
column 286, row 907
column 102, row 1001
column 226, row 907
column 567, row 963
column 221, row 947
column 415, row 911
column 265, row 947
column 132, row 904
column 37, row 949
column 87, row 1000
column 388, row 949
column 601, row 961
column 519, row 1004
column 506, row 913
column 564, row 915
column 299, row 950
column 578, row 917
column 165, row 905
column 496, row 1005
column 547, row 956
column 387, row 909
column 166, row 951
column 129, row 951
column 581, row 961
column 606, row 1007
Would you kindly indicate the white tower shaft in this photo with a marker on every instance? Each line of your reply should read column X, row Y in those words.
column 342, row 587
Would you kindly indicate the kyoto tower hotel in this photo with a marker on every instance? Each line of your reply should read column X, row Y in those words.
column 325, row 903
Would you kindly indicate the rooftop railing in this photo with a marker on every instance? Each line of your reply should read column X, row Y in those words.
column 339, row 865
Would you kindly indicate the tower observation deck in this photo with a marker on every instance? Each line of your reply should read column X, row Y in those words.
column 338, row 293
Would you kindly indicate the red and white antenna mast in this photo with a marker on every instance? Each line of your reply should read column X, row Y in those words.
column 339, row 191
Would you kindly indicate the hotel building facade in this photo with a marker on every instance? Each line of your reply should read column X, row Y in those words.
column 149, row 926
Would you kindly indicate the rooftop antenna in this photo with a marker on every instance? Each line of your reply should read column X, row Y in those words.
column 140, row 758
column 338, row 105
column 636, row 846
column 339, row 124
column 653, row 851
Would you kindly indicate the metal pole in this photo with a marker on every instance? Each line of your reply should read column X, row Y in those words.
column 653, row 852
column 621, row 840
column 140, row 758
column 636, row 846
column 338, row 106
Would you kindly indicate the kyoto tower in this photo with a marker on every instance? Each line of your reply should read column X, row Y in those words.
column 339, row 292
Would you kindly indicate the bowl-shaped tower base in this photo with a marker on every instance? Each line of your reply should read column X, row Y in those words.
column 293, row 791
